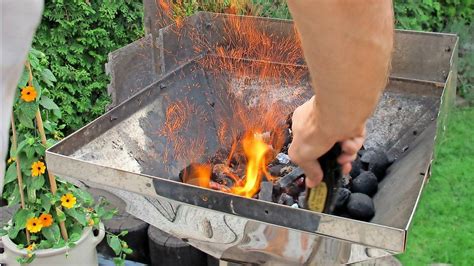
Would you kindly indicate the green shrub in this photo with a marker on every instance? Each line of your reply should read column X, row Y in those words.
column 76, row 36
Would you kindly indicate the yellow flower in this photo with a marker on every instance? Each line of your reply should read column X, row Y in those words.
column 11, row 160
column 31, row 247
column 68, row 200
column 34, row 225
column 91, row 222
column 46, row 219
column 28, row 94
column 37, row 168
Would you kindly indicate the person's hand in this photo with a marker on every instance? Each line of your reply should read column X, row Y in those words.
column 312, row 138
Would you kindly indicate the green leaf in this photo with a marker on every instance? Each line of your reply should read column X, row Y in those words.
column 30, row 152
column 78, row 215
column 128, row 251
column 38, row 89
column 23, row 79
column 10, row 174
column 44, row 244
column 40, row 150
column 114, row 243
column 60, row 214
column 47, row 103
column 28, row 109
column 21, row 217
column 13, row 233
column 20, row 147
column 72, row 244
column 14, row 197
column 31, row 194
column 119, row 261
column 25, row 120
column 84, row 196
column 37, row 182
column 52, row 233
column 48, row 77
column 3, row 232
column 109, row 214
column 45, row 202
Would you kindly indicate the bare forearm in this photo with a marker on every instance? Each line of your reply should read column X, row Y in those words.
column 347, row 46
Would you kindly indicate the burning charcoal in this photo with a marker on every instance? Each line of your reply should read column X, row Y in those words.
column 286, row 199
column 217, row 186
column 283, row 158
column 379, row 164
column 220, row 156
column 342, row 196
column 223, row 174
column 361, row 207
column 365, row 183
column 292, row 176
column 302, row 200
column 356, row 168
column 276, row 189
column 300, row 182
column 293, row 190
column 276, row 169
column 295, row 206
column 196, row 174
column 286, row 170
column 266, row 191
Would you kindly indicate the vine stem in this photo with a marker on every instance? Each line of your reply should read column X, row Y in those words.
column 18, row 173
column 40, row 127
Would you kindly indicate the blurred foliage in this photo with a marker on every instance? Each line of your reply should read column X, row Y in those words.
column 76, row 36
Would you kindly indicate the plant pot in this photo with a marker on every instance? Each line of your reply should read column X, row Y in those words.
column 84, row 253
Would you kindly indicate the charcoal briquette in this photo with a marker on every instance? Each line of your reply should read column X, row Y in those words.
column 286, row 170
column 357, row 167
column 361, row 207
column 365, row 183
column 266, row 191
column 342, row 196
column 379, row 164
column 286, row 199
column 276, row 169
column 302, row 200
column 293, row 190
column 368, row 156
column 283, row 158
column 290, row 177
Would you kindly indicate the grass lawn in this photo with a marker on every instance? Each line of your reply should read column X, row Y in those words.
column 443, row 227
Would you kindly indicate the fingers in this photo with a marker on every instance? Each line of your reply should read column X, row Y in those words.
column 346, row 158
column 346, row 168
column 352, row 146
column 313, row 172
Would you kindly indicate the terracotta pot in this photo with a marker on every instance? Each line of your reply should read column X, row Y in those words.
column 84, row 253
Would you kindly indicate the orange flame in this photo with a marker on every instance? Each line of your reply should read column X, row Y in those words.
column 198, row 175
column 255, row 149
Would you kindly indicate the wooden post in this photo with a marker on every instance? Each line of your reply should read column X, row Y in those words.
column 19, row 176
column 40, row 127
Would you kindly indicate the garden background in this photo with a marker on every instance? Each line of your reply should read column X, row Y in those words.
column 77, row 35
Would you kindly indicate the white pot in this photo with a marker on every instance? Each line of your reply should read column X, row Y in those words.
column 84, row 253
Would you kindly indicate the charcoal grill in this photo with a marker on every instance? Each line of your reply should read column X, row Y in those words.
column 124, row 151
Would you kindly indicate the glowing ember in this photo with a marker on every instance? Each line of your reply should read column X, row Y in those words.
column 255, row 149
column 198, row 175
